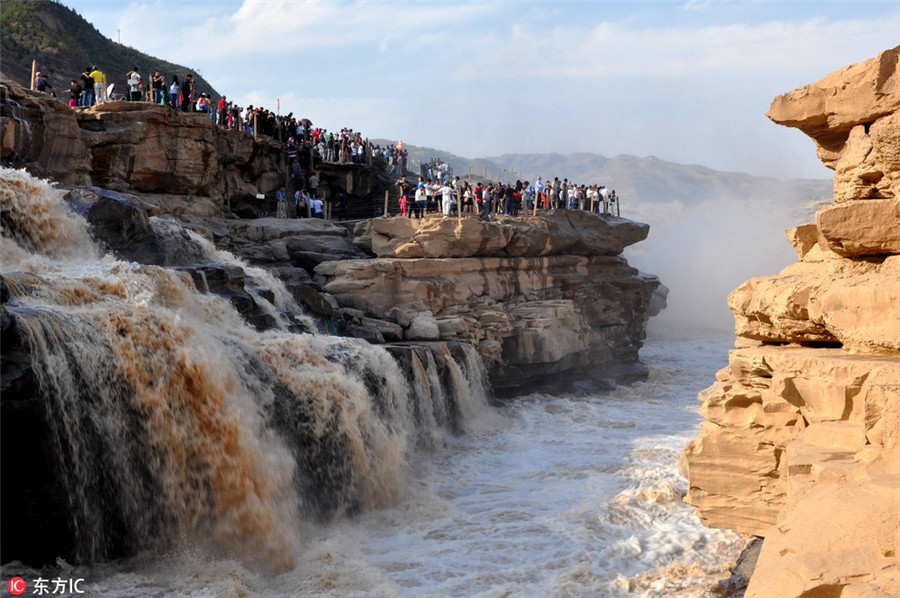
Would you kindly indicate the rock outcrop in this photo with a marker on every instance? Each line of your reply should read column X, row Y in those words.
column 852, row 115
column 536, row 296
column 150, row 149
column 801, row 442
column 136, row 146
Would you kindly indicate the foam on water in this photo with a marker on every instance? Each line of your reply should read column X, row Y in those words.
column 554, row 496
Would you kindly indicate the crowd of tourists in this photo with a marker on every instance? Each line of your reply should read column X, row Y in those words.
column 447, row 196
column 437, row 191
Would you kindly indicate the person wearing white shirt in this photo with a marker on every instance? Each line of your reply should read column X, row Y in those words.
column 417, row 205
column 604, row 193
column 447, row 195
column 317, row 204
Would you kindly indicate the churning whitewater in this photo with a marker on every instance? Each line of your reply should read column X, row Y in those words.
column 224, row 460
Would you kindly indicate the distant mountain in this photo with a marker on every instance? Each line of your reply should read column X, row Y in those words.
column 63, row 43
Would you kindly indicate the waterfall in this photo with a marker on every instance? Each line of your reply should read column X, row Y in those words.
column 16, row 125
column 171, row 422
column 184, row 247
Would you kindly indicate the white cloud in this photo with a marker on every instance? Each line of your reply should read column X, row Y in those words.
column 606, row 49
column 645, row 78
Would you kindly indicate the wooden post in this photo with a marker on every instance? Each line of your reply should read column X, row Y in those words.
column 33, row 73
column 537, row 198
column 592, row 203
column 387, row 195
column 308, row 206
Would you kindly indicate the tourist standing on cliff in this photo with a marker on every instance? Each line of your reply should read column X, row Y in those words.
column 157, row 83
column 175, row 92
column 447, row 195
column 486, row 202
column 509, row 201
column 134, row 84
column 221, row 109
column 99, row 88
column 314, row 185
column 404, row 186
column 418, row 201
column 41, row 83
column 76, row 90
column 614, row 207
column 301, row 204
column 281, row 204
column 187, row 88
column 87, row 84
column 317, row 205
column 429, row 196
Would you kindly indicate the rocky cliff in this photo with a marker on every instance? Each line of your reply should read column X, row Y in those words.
column 536, row 296
column 801, row 442
column 136, row 146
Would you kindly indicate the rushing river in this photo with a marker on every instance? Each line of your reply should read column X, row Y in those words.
column 546, row 496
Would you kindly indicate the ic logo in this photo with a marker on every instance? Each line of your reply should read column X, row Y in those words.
column 16, row 586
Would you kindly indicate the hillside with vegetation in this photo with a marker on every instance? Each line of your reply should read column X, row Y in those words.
column 63, row 44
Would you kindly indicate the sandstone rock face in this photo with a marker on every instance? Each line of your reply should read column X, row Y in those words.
column 801, row 442
column 567, row 232
column 137, row 146
column 861, row 228
column 780, row 420
column 824, row 298
column 530, row 316
column 42, row 132
column 832, row 558
column 852, row 116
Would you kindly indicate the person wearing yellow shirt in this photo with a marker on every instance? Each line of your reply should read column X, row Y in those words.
column 99, row 87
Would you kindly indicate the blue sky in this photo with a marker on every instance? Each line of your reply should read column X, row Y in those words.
column 687, row 81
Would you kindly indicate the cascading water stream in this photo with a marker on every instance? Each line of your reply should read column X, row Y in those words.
column 173, row 423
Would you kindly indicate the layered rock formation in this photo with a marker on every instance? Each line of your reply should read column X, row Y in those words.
column 136, row 146
column 146, row 148
column 536, row 296
column 801, row 442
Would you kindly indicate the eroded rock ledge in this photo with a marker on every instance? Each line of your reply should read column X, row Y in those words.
column 536, row 296
column 801, row 442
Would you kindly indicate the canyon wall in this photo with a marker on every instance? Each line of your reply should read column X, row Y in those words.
column 801, row 443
